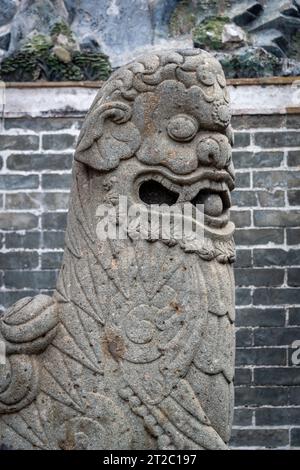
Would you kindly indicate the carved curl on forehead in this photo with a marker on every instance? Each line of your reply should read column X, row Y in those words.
column 109, row 134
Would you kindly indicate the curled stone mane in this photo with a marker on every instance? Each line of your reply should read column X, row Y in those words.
column 198, row 76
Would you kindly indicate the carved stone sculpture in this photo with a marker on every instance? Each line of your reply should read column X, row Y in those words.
column 135, row 350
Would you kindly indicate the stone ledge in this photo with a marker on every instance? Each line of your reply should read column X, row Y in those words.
column 45, row 84
column 99, row 83
column 274, row 95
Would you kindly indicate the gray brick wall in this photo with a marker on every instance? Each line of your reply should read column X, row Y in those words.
column 35, row 163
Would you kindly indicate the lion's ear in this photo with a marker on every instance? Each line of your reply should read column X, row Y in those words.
column 107, row 136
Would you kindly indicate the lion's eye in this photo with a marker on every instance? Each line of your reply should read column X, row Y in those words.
column 182, row 128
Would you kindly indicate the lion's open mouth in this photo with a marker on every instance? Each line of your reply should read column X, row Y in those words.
column 210, row 189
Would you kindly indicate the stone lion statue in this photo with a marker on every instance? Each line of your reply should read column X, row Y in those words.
column 135, row 349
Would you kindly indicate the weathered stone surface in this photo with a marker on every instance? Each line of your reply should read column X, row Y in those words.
column 277, row 376
column 293, row 236
column 18, row 221
column 233, row 34
column 243, row 417
column 19, row 181
column 40, row 162
column 135, row 349
column 253, row 236
column 293, row 158
column 259, row 277
column 276, row 218
column 260, row 317
column 263, row 357
column 295, row 437
column 271, row 199
column 35, row 16
column 18, row 240
column 54, row 221
column 58, row 142
column 8, row 9
column 56, row 181
column 245, row 159
column 122, row 28
column 54, row 240
column 269, row 30
column 242, row 180
column 19, row 142
column 39, row 44
column 243, row 258
column 118, row 28
column 270, row 437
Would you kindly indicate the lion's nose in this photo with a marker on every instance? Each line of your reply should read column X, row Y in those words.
column 214, row 151
column 181, row 161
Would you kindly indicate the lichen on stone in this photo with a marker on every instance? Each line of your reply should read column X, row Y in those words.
column 20, row 67
column 268, row 42
column 54, row 57
column 62, row 32
column 294, row 49
column 208, row 34
column 93, row 65
column 55, row 70
column 250, row 63
column 37, row 44
column 183, row 19
column 61, row 27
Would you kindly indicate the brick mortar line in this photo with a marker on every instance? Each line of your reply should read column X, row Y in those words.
column 270, row 426
column 251, row 226
column 265, row 366
column 38, row 212
column 255, row 130
column 270, row 246
column 264, row 307
column 266, row 130
column 267, row 407
column 254, row 329
column 258, row 149
column 254, row 386
column 18, row 132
